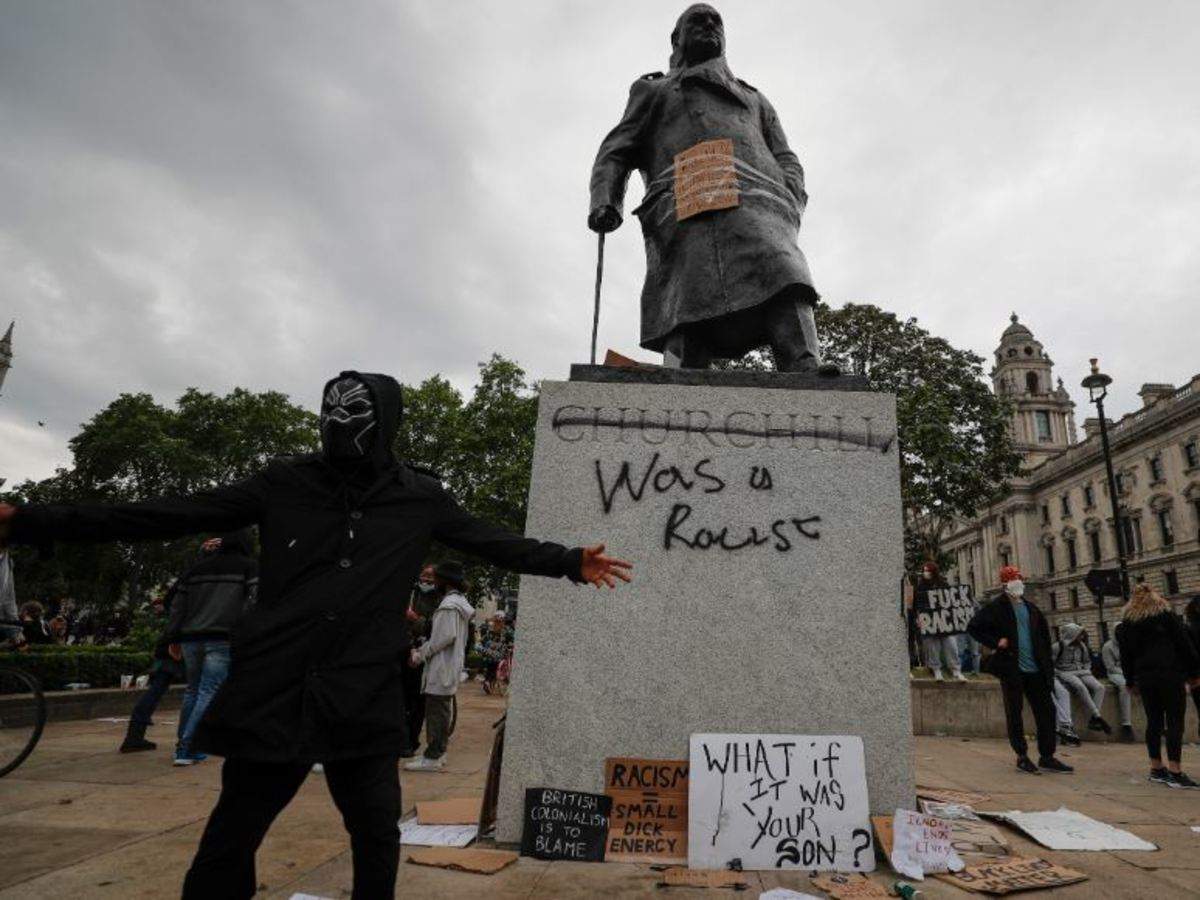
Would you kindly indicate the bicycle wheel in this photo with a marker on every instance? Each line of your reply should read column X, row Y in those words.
column 22, row 717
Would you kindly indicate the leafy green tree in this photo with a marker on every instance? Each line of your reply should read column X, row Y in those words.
column 956, row 454
column 136, row 449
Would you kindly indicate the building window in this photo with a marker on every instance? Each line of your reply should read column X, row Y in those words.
column 1074, row 594
column 1072, row 558
column 1003, row 525
column 1089, row 496
column 1196, row 504
column 1122, row 482
column 1191, row 454
column 1005, row 558
column 1156, row 468
column 1042, row 419
column 1031, row 382
column 1131, row 534
column 1050, row 560
column 1045, row 513
column 1165, row 530
column 1172, row 581
column 1065, row 503
column 1053, row 598
column 1094, row 537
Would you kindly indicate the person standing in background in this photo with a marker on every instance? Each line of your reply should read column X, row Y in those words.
column 1192, row 620
column 11, row 631
column 1111, row 653
column 1017, row 632
column 421, row 605
column 1160, row 664
column 940, row 647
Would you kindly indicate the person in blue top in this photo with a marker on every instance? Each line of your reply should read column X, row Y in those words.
column 1017, row 633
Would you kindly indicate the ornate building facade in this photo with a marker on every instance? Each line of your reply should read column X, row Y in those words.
column 1057, row 525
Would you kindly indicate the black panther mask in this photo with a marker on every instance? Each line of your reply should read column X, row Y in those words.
column 348, row 420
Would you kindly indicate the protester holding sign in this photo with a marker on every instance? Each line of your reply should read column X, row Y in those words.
column 934, row 603
column 1159, row 663
column 1017, row 632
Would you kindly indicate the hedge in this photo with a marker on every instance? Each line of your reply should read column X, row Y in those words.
column 57, row 666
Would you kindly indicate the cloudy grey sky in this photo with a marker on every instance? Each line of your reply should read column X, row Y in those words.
column 259, row 194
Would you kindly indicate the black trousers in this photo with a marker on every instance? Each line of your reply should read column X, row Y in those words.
column 366, row 792
column 414, row 703
column 437, row 725
column 1035, row 689
column 1165, row 702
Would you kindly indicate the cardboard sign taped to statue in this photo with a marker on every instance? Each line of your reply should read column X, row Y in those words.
column 779, row 801
column 943, row 610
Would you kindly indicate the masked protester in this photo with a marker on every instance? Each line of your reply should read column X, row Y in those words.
column 938, row 649
column 1017, row 633
column 315, row 673
column 421, row 605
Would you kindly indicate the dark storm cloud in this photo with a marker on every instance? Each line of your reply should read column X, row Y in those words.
column 260, row 194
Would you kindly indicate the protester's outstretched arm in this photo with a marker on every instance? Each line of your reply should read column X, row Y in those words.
column 457, row 528
column 219, row 509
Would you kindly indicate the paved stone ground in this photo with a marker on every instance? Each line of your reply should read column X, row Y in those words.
column 79, row 820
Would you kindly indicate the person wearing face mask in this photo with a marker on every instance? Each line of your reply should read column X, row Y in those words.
column 1017, row 633
column 419, row 616
column 315, row 674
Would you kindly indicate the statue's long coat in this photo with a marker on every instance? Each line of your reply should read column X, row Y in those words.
column 724, row 262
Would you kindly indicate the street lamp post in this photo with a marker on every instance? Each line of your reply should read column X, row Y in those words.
column 1097, row 385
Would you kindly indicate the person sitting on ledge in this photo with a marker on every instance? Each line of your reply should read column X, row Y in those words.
column 1073, row 667
column 1017, row 633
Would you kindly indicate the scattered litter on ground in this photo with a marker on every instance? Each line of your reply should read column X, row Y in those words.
column 308, row 897
column 677, row 876
column 1196, row 828
column 971, row 836
column 1012, row 874
column 951, row 795
column 483, row 862
column 848, row 886
column 113, row 720
column 412, row 832
column 785, row 894
column 459, row 811
column 1065, row 829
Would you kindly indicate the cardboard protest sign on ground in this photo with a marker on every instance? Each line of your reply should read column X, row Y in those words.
column 945, row 610
column 413, row 832
column 649, row 809
column 461, row 811
column 1012, row 874
column 921, row 844
column 848, row 886
column 701, row 878
column 969, row 834
column 779, row 801
column 565, row 825
column 483, row 862
column 951, row 795
column 1065, row 829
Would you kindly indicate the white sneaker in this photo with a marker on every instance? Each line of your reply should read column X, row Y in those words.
column 937, row 675
column 318, row 768
column 959, row 676
column 424, row 764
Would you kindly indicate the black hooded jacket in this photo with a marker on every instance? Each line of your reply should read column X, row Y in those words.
column 316, row 663
column 212, row 595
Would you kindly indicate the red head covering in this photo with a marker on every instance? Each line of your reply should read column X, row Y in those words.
column 1010, row 573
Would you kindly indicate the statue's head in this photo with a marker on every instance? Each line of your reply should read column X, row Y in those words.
column 699, row 35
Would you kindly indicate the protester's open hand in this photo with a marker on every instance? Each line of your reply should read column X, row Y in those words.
column 7, row 511
column 603, row 570
column 414, row 659
column 175, row 652
column 1002, row 644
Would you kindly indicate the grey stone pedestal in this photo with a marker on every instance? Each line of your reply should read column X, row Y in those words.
column 764, row 525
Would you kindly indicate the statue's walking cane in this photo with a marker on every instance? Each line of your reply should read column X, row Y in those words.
column 599, row 277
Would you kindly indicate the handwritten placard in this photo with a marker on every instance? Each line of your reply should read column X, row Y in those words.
column 1012, row 874
column 705, row 179
column 773, row 801
column 945, row 610
column 921, row 844
column 565, row 825
column 649, row 809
